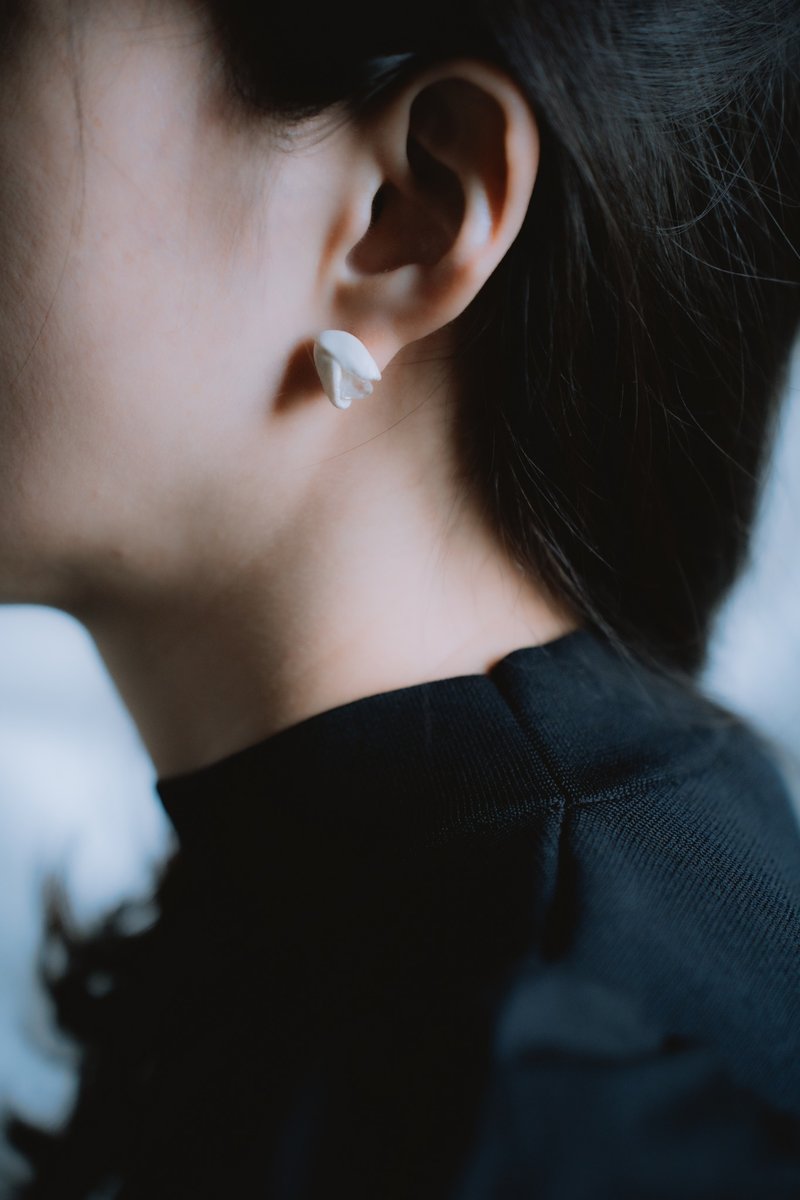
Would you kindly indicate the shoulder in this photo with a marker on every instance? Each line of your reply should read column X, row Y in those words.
column 607, row 725
column 643, row 761
column 650, row 1043
column 676, row 884
column 684, row 892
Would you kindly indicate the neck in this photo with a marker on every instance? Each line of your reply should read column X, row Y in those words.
column 338, row 565
column 210, row 669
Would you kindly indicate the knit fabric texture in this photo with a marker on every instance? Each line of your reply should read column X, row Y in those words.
column 527, row 935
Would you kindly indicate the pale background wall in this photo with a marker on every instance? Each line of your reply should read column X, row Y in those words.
column 755, row 653
column 76, row 787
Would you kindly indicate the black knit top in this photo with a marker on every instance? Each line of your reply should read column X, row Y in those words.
column 529, row 935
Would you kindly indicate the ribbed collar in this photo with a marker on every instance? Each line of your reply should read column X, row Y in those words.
column 431, row 761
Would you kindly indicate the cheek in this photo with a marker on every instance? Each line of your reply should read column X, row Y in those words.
column 97, row 322
column 147, row 356
column 102, row 318
column 154, row 285
column 35, row 190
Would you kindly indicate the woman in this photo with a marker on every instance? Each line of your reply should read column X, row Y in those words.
column 477, row 893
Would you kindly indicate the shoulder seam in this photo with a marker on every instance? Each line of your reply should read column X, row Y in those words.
column 534, row 742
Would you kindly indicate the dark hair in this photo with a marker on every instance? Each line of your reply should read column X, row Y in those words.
column 621, row 374
column 623, row 365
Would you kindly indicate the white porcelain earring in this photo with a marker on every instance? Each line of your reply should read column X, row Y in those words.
column 345, row 366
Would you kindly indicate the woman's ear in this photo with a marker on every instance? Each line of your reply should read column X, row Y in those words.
column 450, row 164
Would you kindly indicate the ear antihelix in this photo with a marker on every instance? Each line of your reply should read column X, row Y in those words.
column 345, row 367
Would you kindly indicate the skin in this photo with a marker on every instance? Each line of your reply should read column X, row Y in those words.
column 171, row 473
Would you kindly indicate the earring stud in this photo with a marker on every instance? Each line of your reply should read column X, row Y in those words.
column 345, row 367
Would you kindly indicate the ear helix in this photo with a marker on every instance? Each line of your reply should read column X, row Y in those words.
column 345, row 367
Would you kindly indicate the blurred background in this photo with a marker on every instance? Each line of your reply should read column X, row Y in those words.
column 77, row 788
